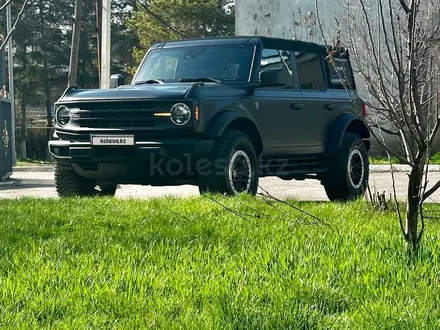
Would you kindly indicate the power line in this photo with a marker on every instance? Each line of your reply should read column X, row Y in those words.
column 162, row 20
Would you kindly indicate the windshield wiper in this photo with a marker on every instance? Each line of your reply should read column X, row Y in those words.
column 201, row 79
column 150, row 81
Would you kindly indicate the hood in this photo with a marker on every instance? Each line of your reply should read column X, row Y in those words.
column 129, row 92
column 172, row 91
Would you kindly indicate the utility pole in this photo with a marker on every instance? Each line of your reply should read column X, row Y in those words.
column 106, row 43
column 99, row 35
column 76, row 32
column 11, row 82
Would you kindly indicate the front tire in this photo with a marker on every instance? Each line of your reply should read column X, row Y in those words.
column 234, row 166
column 348, row 170
column 69, row 184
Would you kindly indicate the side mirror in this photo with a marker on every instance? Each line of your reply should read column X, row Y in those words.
column 272, row 77
column 117, row 80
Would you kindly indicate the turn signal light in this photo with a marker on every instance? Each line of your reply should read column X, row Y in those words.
column 162, row 114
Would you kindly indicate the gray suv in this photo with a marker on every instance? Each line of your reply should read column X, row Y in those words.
column 218, row 113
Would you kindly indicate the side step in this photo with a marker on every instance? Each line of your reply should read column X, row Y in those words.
column 289, row 169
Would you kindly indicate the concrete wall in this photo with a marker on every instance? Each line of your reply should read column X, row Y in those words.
column 283, row 18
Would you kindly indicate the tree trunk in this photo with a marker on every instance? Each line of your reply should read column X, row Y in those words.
column 73, row 66
column 22, row 151
column 412, row 207
column 99, row 34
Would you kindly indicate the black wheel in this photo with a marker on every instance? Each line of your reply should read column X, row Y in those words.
column 70, row 184
column 348, row 170
column 234, row 167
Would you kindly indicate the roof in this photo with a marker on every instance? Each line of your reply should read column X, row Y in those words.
column 242, row 40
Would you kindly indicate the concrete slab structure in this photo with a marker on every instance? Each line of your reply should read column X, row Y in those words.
column 283, row 18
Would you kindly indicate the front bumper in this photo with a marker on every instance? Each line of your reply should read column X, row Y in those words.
column 168, row 148
column 148, row 162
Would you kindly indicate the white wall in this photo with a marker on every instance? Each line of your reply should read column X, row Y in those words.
column 281, row 18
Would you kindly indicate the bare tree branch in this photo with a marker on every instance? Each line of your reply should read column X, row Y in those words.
column 225, row 207
column 430, row 191
column 20, row 14
column 396, row 56
column 267, row 194
column 404, row 6
column 5, row 5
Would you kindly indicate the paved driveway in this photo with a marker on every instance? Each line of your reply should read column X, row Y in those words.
column 34, row 183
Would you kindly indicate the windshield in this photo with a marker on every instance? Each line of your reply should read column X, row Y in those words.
column 222, row 63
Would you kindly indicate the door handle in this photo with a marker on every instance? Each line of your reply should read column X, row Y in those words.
column 296, row 106
column 330, row 106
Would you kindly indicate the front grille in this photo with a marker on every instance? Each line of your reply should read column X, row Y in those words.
column 121, row 115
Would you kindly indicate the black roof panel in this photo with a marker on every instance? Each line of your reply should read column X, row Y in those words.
column 241, row 40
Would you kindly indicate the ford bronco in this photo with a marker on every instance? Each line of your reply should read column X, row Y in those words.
column 219, row 113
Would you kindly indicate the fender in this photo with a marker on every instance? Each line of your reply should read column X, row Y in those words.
column 235, row 120
column 219, row 123
column 347, row 122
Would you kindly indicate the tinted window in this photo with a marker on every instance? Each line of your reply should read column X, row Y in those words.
column 310, row 71
column 225, row 63
column 341, row 70
column 280, row 63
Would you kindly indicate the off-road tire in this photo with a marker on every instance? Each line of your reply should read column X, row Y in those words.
column 230, row 149
column 340, row 183
column 70, row 184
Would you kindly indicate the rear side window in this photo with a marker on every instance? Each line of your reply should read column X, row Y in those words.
column 311, row 75
column 340, row 71
column 280, row 63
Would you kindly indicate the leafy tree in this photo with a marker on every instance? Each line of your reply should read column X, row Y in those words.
column 124, row 39
column 42, row 50
column 160, row 20
column 41, row 53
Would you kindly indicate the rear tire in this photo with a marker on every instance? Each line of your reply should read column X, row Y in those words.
column 234, row 166
column 348, row 170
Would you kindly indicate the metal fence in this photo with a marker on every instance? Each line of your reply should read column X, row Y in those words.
column 5, row 140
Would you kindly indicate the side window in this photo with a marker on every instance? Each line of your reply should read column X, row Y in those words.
column 311, row 75
column 277, row 65
column 340, row 72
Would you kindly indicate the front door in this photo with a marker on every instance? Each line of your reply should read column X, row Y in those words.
column 279, row 107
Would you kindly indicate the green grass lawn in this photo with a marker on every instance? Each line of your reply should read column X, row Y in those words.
column 31, row 162
column 191, row 264
column 380, row 160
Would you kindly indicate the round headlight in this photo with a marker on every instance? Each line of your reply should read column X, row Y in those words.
column 180, row 114
column 63, row 115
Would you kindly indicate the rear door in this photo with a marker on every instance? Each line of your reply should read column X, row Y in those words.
column 320, row 107
column 279, row 108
